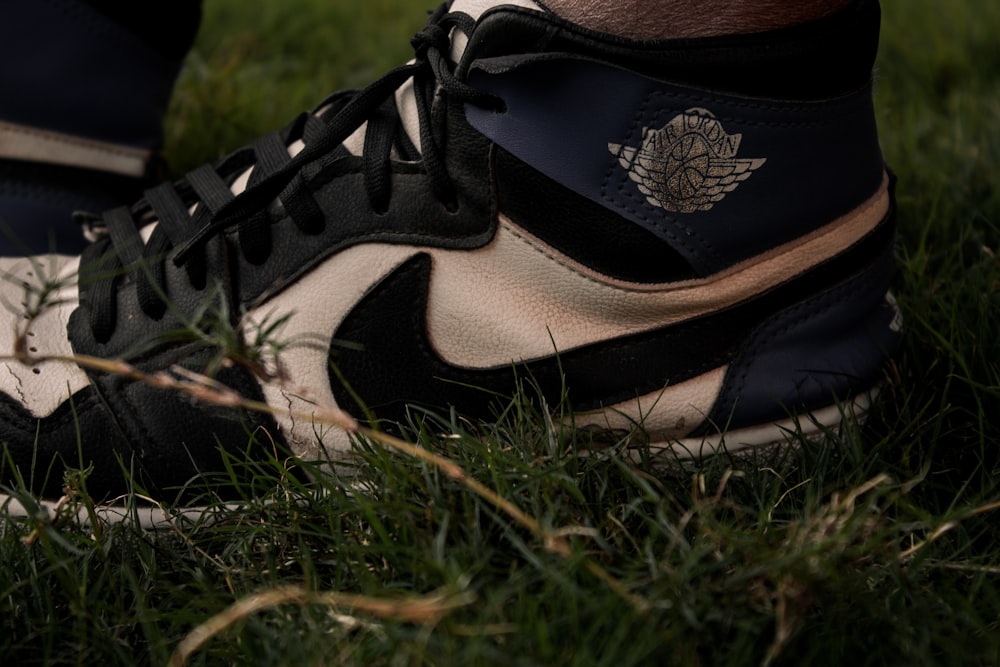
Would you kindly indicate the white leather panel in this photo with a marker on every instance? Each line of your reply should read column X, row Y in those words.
column 668, row 414
column 42, row 387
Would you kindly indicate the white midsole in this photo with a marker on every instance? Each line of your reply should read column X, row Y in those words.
column 151, row 517
column 743, row 441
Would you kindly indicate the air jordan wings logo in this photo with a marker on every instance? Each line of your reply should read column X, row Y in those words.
column 688, row 165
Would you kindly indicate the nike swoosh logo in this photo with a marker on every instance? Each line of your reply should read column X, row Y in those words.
column 392, row 363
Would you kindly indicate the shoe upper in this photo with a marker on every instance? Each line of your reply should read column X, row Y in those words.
column 524, row 201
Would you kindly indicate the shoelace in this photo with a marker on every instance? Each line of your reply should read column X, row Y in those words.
column 278, row 176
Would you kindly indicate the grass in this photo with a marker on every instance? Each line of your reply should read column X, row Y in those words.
column 880, row 546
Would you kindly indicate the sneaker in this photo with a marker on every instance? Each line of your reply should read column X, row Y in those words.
column 81, row 116
column 694, row 238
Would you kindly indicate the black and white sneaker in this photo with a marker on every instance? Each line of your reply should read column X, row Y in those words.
column 694, row 236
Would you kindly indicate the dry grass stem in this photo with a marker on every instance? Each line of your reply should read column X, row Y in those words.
column 420, row 610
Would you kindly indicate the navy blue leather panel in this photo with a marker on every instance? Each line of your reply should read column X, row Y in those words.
column 826, row 349
column 575, row 120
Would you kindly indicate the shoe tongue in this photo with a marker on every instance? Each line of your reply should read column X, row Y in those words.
column 405, row 101
column 475, row 9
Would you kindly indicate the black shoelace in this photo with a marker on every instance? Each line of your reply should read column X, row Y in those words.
column 181, row 236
